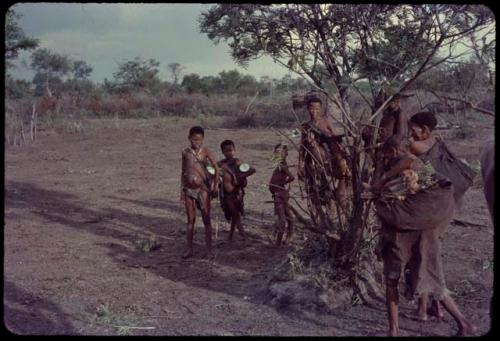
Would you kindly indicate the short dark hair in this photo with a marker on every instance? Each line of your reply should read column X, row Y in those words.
column 196, row 130
column 227, row 143
column 314, row 100
column 280, row 145
column 424, row 118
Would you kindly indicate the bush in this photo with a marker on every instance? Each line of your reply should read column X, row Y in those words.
column 463, row 133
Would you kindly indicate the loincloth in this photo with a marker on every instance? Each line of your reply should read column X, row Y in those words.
column 195, row 193
column 236, row 197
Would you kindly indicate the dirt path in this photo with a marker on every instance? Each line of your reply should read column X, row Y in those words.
column 77, row 207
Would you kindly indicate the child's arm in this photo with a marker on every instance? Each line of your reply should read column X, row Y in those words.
column 289, row 176
column 251, row 171
column 404, row 163
column 217, row 170
column 183, row 194
column 329, row 128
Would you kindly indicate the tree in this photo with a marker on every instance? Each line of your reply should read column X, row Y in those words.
column 334, row 47
column 50, row 66
column 137, row 74
column 81, row 70
column 15, row 38
column 176, row 71
column 192, row 83
column 17, row 88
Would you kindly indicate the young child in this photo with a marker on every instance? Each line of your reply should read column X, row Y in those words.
column 412, row 227
column 233, row 187
column 319, row 144
column 280, row 178
column 198, row 186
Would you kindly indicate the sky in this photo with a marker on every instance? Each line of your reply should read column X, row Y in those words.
column 105, row 35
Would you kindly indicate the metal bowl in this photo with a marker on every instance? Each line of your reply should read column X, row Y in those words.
column 244, row 167
column 211, row 170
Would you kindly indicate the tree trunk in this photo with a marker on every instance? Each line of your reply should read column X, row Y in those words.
column 47, row 88
column 32, row 124
column 350, row 241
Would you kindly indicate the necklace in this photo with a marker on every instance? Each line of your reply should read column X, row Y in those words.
column 196, row 154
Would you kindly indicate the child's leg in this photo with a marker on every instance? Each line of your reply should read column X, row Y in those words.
column 230, row 202
column 392, row 301
column 436, row 310
column 205, row 214
column 281, row 223
column 465, row 327
column 422, row 306
column 191, row 217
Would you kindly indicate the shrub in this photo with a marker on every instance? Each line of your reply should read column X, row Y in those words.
column 464, row 133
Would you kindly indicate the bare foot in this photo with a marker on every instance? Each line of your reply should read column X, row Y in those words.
column 435, row 311
column 393, row 332
column 188, row 253
column 422, row 316
column 467, row 330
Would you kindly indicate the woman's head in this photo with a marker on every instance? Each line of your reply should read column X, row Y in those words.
column 421, row 125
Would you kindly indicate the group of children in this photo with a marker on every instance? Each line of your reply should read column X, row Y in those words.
column 203, row 179
column 413, row 192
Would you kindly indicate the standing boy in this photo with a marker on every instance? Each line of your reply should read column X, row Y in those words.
column 321, row 148
column 234, row 174
column 278, row 187
column 198, row 186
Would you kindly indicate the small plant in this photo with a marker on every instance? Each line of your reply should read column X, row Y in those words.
column 147, row 244
column 463, row 133
column 102, row 316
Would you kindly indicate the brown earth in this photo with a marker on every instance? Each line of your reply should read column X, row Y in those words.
column 78, row 207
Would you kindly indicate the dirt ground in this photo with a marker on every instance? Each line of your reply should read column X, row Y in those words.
column 79, row 205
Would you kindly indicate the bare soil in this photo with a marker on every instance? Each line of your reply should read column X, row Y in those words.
column 80, row 207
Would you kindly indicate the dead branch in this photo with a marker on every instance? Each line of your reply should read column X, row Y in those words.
column 466, row 223
column 468, row 103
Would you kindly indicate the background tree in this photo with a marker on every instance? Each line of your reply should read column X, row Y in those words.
column 335, row 47
column 15, row 38
column 80, row 84
column 176, row 70
column 137, row 74
column 192, row 83
column 50, row 67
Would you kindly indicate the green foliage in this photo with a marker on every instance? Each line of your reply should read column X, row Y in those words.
column 17, row 88
column 45, row 61
column 81, row 70
column 15, row 38
column 136, row 74
column 49, row 67
column 335, row 44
